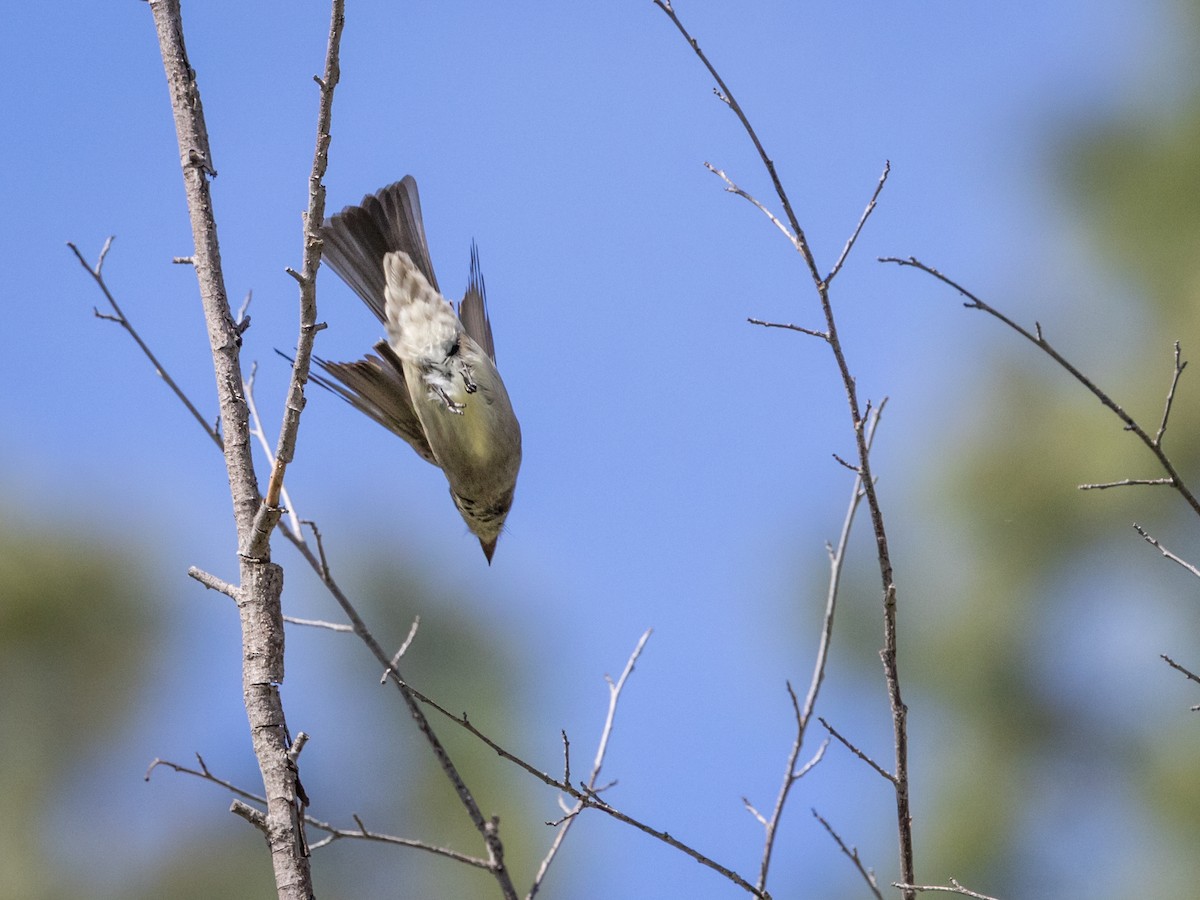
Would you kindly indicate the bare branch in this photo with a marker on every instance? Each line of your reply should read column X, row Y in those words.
column 261, row 581
column 323, row 569
column 196, row 160
column 614, row 695
column 241, row 320
column 726, row 96
column 485, row 827
column 889, row 654
column 954, row 888
column 851, row 854
column 256, row 431
column 837, row 559
column 1178, row 668
column 857, row 752
column 119, row 317
column 590, row 797
column 1038, row 340
column 1190, row 674
column 1178, row 370
column 734, row 189
column 213, row 583
column 1154, row 542
column 255, row 817
column 812, row 331
column 286, row 446
column 297, row 747
column 848, row 465
column 399, row 654
column 1126, row 482
column 841, row 260
column 318, row 623
column 836, row 565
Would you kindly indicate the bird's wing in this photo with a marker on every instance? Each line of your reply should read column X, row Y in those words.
column 473, row 309
column 359, row 237
column 377, row 387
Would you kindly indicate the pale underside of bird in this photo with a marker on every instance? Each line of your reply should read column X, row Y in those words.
column 433, row 381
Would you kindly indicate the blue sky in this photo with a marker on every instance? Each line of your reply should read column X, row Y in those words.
column 678, row 469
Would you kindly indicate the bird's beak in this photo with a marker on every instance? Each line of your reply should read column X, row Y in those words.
column 489, row 547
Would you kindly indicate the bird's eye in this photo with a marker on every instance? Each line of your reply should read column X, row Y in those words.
column 454, row 348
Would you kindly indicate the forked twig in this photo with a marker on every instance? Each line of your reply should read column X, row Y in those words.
column 837, row 559
column 851, row 853
column 1153, row 443
column 590, row 797
column 866, row 214
column 97, row 273
column 1180, row 365
column 285, row 449
column 859, row 417
column 333, row 832
column 565, row 823
column 726, row 96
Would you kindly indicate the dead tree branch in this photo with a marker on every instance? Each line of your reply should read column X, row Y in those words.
column 858, row 417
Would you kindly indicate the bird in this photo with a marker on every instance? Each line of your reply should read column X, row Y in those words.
column 433, row 381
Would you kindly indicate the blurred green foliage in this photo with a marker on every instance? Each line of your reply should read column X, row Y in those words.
column 73, row 616
column 80, row 634
column 1051, row 780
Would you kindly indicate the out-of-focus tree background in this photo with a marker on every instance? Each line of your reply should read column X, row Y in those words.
column 677, row 470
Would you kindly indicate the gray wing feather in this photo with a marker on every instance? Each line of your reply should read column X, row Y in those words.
column 357, row 239
column 473, row 309
column 376, row 386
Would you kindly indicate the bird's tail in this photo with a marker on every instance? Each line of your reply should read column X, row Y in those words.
column 359, row 237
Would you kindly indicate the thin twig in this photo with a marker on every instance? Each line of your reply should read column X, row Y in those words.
column 1125, row 482
column 290, row 426
column 841, row 260
column 837, row 562
column 1154, row 542
column 483, row 825
column 118, row 316
column 857, row 752
column 323, row 571
column 614, row 695
column 1178, row 668
column 734, row 189
column 1038, row 340
column 318, row 623
column 591, row 798
column 256, row 431
column 726, row 95
column 790, row 327
column 889, row 655
column 954, row 888
column 1180, row 365
column 1188, row 672
column 399, row 654
column 213, row 583
column 851, row 854
column 837, row 559
column 334, row 832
